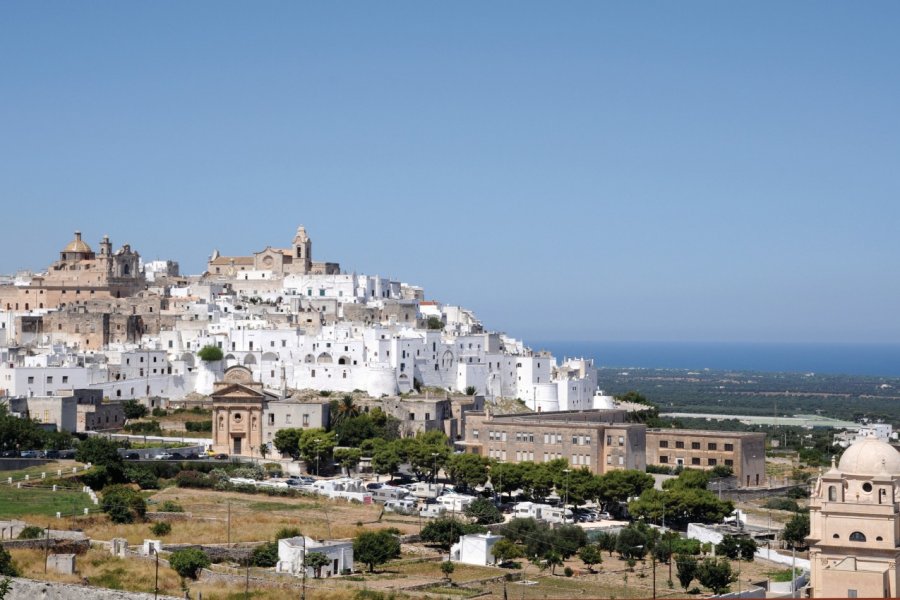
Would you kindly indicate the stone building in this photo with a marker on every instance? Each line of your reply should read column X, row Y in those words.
column 80, row 274
column 855, row 524
column 94, row 413
column 744, row 452
column 238, row 406
column 271, row 262
column 598, row 440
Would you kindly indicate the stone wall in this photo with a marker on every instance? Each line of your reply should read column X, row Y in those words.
column 28, row 589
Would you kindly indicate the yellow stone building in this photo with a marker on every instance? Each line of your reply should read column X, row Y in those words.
column 855, row 524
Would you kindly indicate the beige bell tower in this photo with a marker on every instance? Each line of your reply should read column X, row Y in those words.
column 855, row 524
column 303, row 250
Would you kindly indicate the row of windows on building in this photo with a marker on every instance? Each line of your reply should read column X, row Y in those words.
column 714, row 446
column 697, row 461
column 65, row 379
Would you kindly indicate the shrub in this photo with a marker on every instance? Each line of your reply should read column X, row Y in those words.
column 188, row 562
column 210, row 353
column 170, row 506
column 142, row 476
column 781, row 504
column 265, row 555
column 194, row 479
column 161, row 528
column 568, row 571
column 143, row 427
column 31, row 532
column 287, row 532
column 158, row 412
column 7, row 566
column 198, row 425
column 123, row 504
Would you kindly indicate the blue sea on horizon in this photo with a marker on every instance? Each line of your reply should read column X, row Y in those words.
column 838, row 359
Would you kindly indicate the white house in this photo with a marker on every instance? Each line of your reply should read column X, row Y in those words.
column 475, row 549
column 292, row 553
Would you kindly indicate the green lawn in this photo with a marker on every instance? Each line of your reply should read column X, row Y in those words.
column 15, row 502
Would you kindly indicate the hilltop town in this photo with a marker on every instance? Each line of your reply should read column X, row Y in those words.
column 279, row 375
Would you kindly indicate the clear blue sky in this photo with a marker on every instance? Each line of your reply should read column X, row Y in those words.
column 596, row 170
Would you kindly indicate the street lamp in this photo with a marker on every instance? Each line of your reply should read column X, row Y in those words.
column 566, row 501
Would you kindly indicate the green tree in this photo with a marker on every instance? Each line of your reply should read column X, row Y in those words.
column 317, row 560
column 553, row 559
column 607, row 541
column 632, row 543
column 161, row 528
column 620, row 485
column 737, row 548
column 7, row 567
column 505, row 550
column 446, row 531
column 578, row 486
column 353, row 431
column 591, row 555
column 343, row 409
column 16, row 433
column 435, row 323
column 535, row 537
column 265, row 555
column 716, row 574
column 373, row 548
column 507, row 477
column 287, row 532
column 483, row 511
column 134, row 409
column 386, row 459
column 468, row 470
column 287, row 441
column 685, row 569
column 123, row 504
column 796, row 530
column 316, row 446
column 447, row 569
column 348, row 458
column 568, row 539
column 688, row 479
column 210, row 353
column 101, row 452
column 188, row 562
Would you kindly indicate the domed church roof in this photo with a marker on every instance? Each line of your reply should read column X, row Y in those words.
column 870, row 456
column 78, row 245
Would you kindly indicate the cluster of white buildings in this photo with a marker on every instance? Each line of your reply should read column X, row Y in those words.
column 296, row 325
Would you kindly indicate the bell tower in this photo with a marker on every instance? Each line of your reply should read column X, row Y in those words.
column 303, row 250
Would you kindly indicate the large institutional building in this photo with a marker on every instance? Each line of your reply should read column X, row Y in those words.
column 855, row 525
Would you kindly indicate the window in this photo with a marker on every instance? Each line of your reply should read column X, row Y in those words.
column 695, row 461
column 663, row 443
column 271, row 418
column 679, row 444
column 65, row 378
column 729, row 447
column 475, row 434
column 711, row 462
column 31, row 380
column 412, row 416
column 502, row 436
column 867, row 487
column 695, row 445
column 288, row 418
column 664, row 459
column 857, row 536
column 711, row 446
column 306, row 420
column 729, row 462
column 609, row 440
column 621, row 440
column 609, row 460
column 621, row 460
column 50, row 380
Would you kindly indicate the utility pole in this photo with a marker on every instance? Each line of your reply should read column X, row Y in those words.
column 229, row 523
column 47, row 548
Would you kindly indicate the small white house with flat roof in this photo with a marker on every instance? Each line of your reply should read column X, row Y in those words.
column 475, row 549
column 292, row 553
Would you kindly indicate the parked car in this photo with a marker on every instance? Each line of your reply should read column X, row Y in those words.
column 163, row 456
column 67, row 454
column 374, row 486
column 132, row 456
column 177, row 456
column 221, row 457
column 30, row 454
column 52, row 454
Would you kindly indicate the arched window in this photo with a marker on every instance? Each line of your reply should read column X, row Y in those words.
column 879, row 539
column 836, row 536
column 832, row 493
column 857, row 536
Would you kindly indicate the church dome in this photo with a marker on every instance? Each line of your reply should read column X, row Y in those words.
column 870, row 457
column 78, row 245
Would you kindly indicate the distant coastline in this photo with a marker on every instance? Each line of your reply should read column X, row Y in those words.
column 836, row 359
